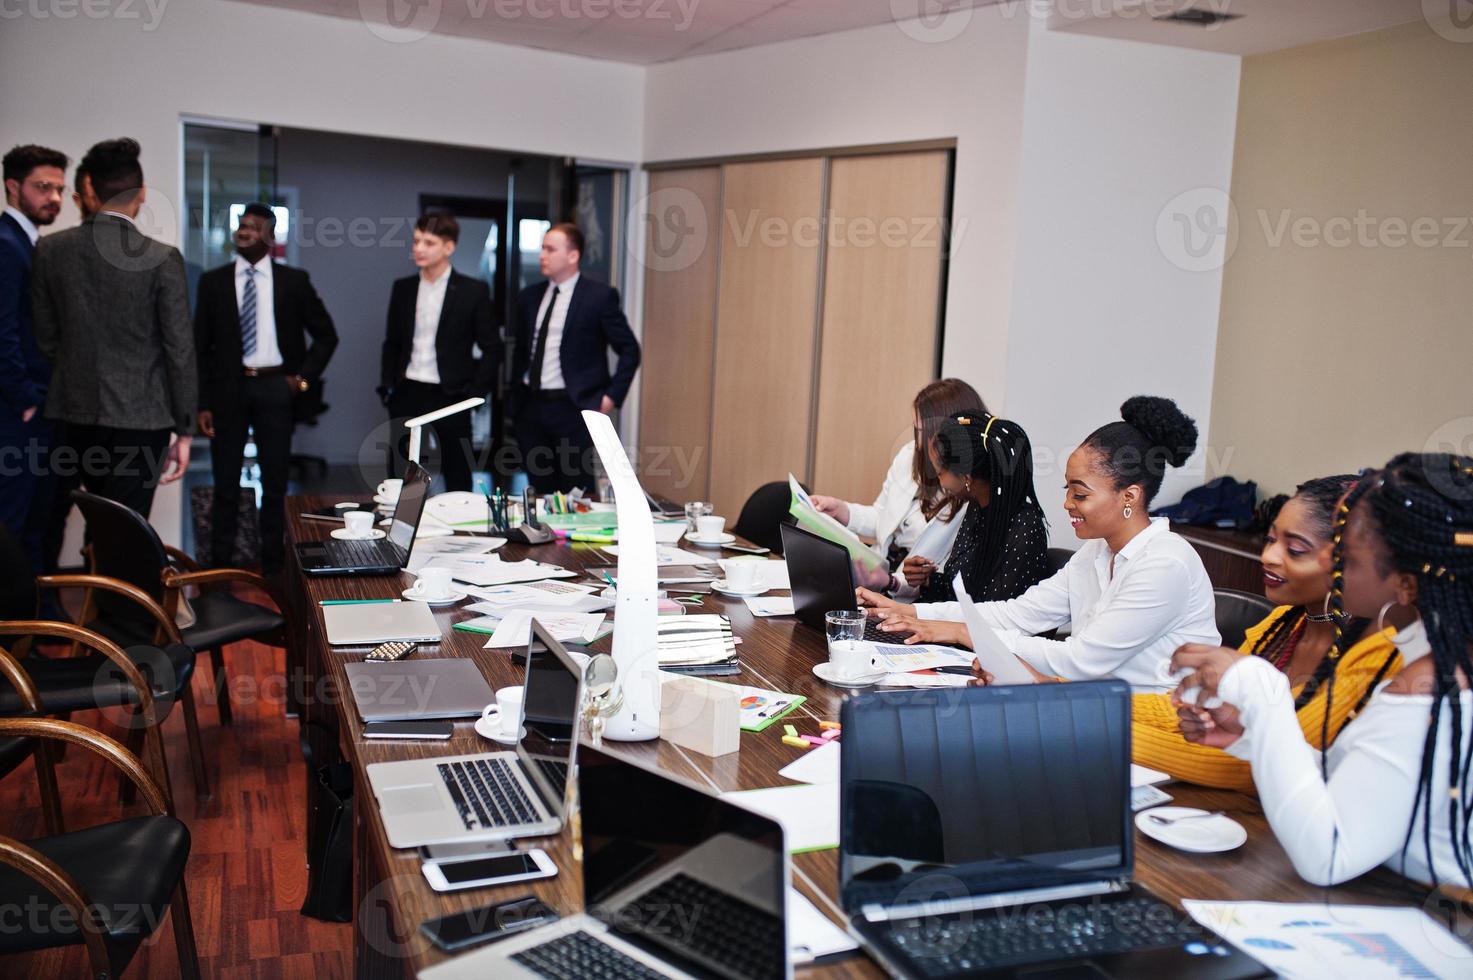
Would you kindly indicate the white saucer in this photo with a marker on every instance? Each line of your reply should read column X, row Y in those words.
column 341, row 533
column 1208, row 835
column 720, row 586
column 485, row 731
column 825, row 672
column 710, row 542
column 413, row 596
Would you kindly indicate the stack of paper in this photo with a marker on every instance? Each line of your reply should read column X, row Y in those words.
column 811, row 519
column 491, row 570
column 515, row 628
column 697, row 644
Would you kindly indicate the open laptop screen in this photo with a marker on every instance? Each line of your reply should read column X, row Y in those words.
column 998, row 788
column 409, row 508
column 689, row 877
column 551, row 694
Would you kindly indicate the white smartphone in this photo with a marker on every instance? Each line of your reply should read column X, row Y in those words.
column 497, row 869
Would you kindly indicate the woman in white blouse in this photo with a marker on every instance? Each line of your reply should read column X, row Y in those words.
column 1393, row 788
column 1132, row 594
column 911, row 496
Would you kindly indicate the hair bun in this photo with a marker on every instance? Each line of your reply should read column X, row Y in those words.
column 1166, row 426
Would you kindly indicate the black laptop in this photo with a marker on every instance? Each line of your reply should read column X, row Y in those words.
column 822, row 577
column 987, row 831
column 383, row 556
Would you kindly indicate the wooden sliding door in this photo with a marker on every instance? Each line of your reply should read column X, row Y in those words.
column 766, row 314
column 682, row 217
column 887, row 219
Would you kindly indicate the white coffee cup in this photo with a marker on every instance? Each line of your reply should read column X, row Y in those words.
column 710, row 528
column 389, row 489
column 433, row 583
column 505, row 716
column 742, row 574
column 850, row 658
column 358, row 523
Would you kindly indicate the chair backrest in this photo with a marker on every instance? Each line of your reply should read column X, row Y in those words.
column 18, row 583
column 1058, row 558
column 124, row 545
column 764, row 511
column 1236, row 611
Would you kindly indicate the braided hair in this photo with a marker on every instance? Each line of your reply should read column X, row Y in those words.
column 985, row 447
column 1321, row 495
column 1421, row 505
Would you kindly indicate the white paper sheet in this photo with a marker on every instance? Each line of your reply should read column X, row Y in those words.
column 781, row 605
column 994, row 655
column 809, row 813
column 669, row 532
column 896, row 658
column 820, row 765
column 1141, row 776
column 545, row 593
column 484, row 570
column 812, row 934
column 1314, row 940
column 666, row 555
column 460, row 544
column 515, row 628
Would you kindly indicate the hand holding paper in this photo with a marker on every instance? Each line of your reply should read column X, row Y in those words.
column 992, row 653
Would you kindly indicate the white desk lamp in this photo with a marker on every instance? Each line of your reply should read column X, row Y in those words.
column 416, row 424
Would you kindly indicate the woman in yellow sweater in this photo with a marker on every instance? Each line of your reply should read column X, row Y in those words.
column 1296, row 638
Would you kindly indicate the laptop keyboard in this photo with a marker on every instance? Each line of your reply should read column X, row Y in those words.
column 556, row 773
column 356, row 554
column 487, row 793
column 579, row 955
column 957, row 944
column 723, row 929
column 874, row 634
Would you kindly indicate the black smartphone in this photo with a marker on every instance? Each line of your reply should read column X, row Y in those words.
column 953, row 669
column 408, row 729
column 465, row 929
column 747, row 549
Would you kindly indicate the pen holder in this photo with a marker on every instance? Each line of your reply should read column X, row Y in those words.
column 701, row 716
column 525, row 534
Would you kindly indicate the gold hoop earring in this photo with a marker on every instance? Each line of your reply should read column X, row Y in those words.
column 1381, row 616
column 1128, row 511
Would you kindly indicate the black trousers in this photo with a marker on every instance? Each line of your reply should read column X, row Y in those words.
column 265, row 406
column 25, row 480
column 119, row 464
column 411, row 398
column 557, row 451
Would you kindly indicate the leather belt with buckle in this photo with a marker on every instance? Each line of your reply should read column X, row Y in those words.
column 265, row 372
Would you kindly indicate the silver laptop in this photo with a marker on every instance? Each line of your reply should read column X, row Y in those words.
column 677, row 882
column 418, row 690
column 496, row 795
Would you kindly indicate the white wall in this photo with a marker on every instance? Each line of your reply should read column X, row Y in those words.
column 880, row 85
column 73, row 82
column 1114, row 131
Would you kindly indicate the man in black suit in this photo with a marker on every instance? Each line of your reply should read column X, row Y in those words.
column 565, row 328
column 436, row 319
column 264, row 338
column 35, row 178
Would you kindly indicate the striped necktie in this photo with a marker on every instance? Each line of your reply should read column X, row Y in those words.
column 248, row 314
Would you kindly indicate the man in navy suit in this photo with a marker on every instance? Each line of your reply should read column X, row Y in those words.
column 35, row 180
column 560, row 367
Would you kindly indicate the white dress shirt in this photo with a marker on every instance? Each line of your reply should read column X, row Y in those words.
column 267, row 354
column 1338, row 830
column 552, row 365
column 26, row 224
column 1127, row 625
column 424, row 363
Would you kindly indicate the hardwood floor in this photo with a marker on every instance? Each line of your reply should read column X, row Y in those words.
column 247, row 872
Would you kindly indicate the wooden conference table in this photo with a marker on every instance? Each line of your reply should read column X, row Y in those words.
column 392, row 898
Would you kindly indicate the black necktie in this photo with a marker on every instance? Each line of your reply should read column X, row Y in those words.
column 534, row 373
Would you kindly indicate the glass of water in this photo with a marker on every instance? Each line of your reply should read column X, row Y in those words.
column 844, row 624
column 694, row 509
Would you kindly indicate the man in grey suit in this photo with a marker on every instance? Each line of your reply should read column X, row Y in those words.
column 110, row 311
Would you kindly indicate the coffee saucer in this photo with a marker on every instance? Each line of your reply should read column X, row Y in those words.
column 455, row 596
column 715, row 542
column 485, row 730
column 720, row 586
column 826, row 673
column 341, row 533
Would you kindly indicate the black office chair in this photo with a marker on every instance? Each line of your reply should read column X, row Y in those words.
column 1236, row 611
column 14, row 751
column 765, row 510
column 125, row 546
column 107, row 887
column 1058, row 558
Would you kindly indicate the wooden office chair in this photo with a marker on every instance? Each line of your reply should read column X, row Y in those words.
column 99, row 673
column 15, row 751
column 1236, row 611
column 107, row 887
column 764, row 511
column 125, row 546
